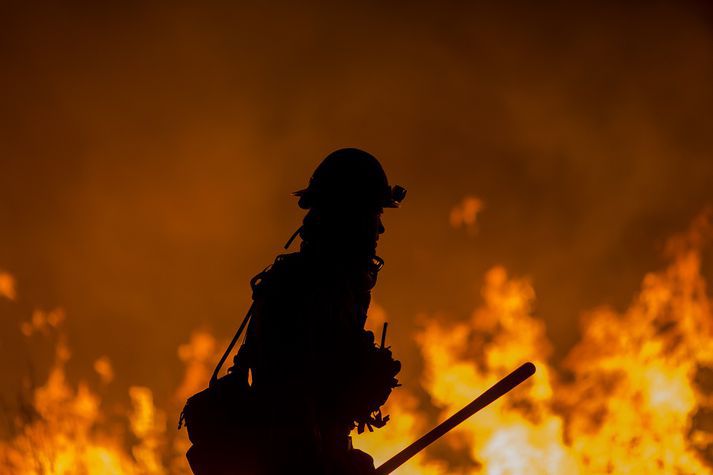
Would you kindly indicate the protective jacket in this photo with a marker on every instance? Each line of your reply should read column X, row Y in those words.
column 316, row 373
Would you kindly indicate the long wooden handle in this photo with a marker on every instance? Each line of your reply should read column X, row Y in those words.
column 498, row 389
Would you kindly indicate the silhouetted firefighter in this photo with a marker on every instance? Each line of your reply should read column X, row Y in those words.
column 316, row 373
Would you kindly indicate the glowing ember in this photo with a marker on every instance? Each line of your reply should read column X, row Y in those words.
column 7, row 286
column 104, row 369
column 465, row 214
column 42, row 322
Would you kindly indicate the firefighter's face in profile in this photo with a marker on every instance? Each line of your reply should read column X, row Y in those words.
column 379, row 225
column 353, row 230
column 367, row 228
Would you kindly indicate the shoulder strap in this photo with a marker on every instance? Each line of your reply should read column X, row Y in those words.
column 214, row 378
column 255, row 284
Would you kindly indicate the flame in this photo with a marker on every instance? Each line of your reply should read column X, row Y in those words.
column 148, row 425
column 42, row 322
column 60, row 428
column 465, row 214
column 55, row 431
column 633, row 396
column 102, row 366
column 198, row 356
column 7, row 286
column 519, row 433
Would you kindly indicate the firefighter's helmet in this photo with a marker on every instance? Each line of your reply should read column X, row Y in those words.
column 350, row 178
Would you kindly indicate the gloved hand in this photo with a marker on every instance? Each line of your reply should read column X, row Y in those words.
column 379, row 375
column 371, row 383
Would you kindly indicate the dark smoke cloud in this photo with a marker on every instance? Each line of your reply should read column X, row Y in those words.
column 148, row 153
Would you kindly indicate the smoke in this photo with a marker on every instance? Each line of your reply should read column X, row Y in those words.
column 148, row 153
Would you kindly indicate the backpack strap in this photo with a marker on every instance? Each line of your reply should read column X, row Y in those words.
column 256, row 284
column 235, row 339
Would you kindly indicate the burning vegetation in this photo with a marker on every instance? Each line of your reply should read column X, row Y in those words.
column 635, row 395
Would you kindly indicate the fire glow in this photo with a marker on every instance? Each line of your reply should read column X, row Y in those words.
column 634, row 396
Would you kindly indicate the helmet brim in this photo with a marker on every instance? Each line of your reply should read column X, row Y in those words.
column 306, row 192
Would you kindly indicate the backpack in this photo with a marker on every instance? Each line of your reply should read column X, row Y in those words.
column 221, row 420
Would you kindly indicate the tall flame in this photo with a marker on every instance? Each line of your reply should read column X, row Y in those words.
column 636, row 392
column 633, row 396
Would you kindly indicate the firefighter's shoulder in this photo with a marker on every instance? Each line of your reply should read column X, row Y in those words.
column 287, row 271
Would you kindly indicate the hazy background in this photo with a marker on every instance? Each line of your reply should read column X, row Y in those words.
column 148, row 152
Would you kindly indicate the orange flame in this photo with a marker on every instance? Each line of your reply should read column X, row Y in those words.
column 465, row 214
column 7, row 286
column 634, row 399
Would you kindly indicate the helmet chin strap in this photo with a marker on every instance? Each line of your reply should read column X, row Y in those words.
column 292, row 238
column 375, row 262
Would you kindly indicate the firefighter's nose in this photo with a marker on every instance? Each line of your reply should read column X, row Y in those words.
column 381, row 227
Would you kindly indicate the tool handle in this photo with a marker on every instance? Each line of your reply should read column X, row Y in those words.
column 383, row 334
column 497, row 390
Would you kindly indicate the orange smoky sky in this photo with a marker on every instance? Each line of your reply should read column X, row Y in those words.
column 148, row 152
